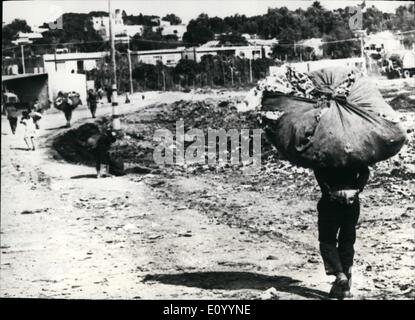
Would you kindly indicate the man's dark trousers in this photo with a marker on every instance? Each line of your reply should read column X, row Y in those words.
column 337, row 234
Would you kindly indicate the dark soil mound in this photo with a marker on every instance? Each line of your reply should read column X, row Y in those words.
column 135, row 144
column 403, row 102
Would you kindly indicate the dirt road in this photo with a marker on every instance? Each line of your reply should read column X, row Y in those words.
column 65, row 234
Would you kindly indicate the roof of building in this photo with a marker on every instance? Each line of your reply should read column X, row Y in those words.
column 161, row 51
column 74, row 56
column 21, row 76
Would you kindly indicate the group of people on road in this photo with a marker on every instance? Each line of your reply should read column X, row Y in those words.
column 29, row 120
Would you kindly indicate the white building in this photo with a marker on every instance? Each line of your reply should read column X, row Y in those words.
column 177, row 30
column 309, row 66
column 26, row 37
column 382, row 42
column 247, row 52
column 102, row 25
column 315, row 43
column 169, row 57
column 72, row 62
column 166, row 28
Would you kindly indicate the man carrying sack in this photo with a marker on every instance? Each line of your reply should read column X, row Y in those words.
column 336, row 122
column 338, row 213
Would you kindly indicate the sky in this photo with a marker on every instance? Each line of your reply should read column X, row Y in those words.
column 39, row 11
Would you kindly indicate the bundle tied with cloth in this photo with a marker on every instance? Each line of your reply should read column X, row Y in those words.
column 330, row 118
column 67, row 100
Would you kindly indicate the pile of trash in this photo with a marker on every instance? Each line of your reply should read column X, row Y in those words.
column 403, row 102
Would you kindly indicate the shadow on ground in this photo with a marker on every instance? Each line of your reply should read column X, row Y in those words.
column 21, row 149
column 85, row 176
column 57, row 128
column 237, row 281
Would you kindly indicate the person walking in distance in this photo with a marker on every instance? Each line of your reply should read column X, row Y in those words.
column 34, row 113
column 101, row 150
column 92, row 102
column 338, row 214
column 12, row 116
column 29, row 130
column 109, row 93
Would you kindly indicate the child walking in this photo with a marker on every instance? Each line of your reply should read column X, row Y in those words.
column 29, row 130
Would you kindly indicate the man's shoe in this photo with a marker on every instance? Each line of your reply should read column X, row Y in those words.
column 348, row 295
column 340, row 287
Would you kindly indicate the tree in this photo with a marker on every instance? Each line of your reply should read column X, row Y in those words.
column 9, row 31
column 185, row 71
column 146, row 76
column 141, row 20
column 198, row 31
column 232, row 39
column 172, row 18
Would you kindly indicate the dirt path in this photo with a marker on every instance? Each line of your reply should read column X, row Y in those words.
column 65, row 234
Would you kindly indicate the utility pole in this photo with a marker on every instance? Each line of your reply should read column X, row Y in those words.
column 116, row 125
column 23, row 65
column 56, row 66
column 164, row 80
column 130, row 67
column 362, row 53
column 250, row 70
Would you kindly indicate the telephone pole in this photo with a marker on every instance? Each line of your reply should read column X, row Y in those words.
column 164, row 80
column 23, row 65
column 250, row 70
column 116, row 125
column 130, row 67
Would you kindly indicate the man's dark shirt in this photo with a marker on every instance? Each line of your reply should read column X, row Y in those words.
column 104, row 143
column 341, row 179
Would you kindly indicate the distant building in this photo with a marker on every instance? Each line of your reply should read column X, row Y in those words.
column 315, row 43
column 382, row 43
column 101, row 24
column 309, row 66
column 177, row 30
column 27, row 37
column 72, row 62
column 247, row 52
column 253, row 39
column 166, row 28
column 40, row 29
column 169, row 57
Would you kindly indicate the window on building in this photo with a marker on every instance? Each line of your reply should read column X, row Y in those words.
column 80, row 65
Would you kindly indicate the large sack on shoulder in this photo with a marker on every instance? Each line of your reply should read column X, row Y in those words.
column 60, row 103
column 74, row 100
column 356, row 130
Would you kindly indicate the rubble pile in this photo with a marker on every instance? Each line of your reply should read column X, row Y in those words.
column 403, row 102
column 136, row 145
